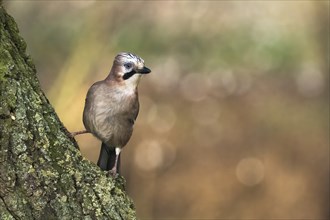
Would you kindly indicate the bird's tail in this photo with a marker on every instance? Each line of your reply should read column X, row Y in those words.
column 107, row 158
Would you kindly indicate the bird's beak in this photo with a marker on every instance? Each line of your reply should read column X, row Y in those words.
column 145, row 70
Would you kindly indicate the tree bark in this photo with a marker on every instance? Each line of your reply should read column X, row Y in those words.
column 42, row 173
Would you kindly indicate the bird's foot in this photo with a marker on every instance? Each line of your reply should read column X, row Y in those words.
column 113, row 172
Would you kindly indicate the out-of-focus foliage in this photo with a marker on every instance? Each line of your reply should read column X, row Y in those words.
column 234, row 119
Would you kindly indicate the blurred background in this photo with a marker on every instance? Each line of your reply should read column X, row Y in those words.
column 234, row 118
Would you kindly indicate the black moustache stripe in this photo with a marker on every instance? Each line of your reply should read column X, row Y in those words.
column 129, row 74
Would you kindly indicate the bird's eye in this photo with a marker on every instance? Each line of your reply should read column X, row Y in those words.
column 128, row 65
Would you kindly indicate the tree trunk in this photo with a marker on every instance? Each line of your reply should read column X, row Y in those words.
column 42, row 173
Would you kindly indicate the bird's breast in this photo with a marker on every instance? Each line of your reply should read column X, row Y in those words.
column 111, row 115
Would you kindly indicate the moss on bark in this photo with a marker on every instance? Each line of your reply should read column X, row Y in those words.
column 42, row 173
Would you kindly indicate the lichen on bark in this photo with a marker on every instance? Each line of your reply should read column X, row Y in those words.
column 42, row 173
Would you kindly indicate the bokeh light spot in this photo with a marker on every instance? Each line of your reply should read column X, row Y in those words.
column 310, row 82
column 250, row 171
column 165, row 75
column 154, row 154
column 193, row 87
column 149, row 155
column 229, row 82
column 161, row 118
column 205, row 112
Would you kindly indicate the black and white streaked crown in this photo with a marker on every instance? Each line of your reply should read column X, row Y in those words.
column 128, row 57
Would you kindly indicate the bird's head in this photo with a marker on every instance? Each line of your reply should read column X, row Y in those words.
column 128, row 68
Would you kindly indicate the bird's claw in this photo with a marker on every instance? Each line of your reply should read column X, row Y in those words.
column 113, row 173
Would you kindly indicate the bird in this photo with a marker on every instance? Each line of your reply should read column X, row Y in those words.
column 112, row 106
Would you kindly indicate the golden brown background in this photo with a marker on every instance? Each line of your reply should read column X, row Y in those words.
column 234, row 119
